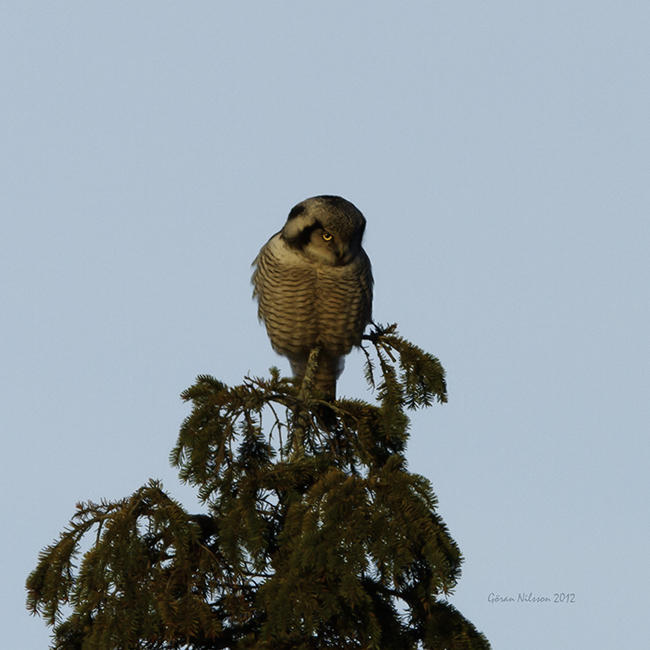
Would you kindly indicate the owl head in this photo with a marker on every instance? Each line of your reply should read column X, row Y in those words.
column 326, row 229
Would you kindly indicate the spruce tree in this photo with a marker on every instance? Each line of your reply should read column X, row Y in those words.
column 314, row 533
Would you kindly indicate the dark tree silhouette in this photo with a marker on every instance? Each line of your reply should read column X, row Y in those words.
column 315, row 535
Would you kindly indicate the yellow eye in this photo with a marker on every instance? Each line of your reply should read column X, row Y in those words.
column 327, row 236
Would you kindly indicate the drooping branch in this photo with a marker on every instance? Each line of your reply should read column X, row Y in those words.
column 314, row 534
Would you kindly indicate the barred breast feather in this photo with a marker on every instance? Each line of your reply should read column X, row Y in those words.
column 303, row 304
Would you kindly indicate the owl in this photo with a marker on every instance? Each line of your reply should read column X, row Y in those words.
column 313, row 283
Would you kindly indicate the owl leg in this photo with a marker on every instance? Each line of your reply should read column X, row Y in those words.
column 298, row 367
column 327, row 370
column 316, row 374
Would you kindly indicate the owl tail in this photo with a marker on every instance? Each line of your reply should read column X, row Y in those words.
column 325, row 375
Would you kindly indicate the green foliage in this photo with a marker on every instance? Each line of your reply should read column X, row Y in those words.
column 315, row 534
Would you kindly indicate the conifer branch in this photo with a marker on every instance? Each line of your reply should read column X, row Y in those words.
column 320, row 539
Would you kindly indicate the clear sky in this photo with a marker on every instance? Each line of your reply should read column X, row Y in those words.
column 501, row 154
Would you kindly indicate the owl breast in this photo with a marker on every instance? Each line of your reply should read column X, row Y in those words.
column 303, row 303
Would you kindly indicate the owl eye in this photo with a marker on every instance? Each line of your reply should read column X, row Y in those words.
column 327, row 236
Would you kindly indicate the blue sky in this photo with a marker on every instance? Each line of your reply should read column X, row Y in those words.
column 500, row 153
